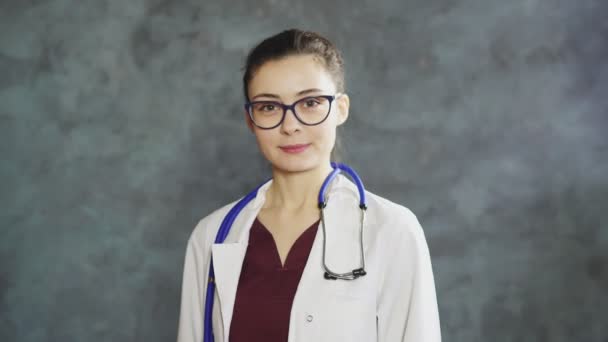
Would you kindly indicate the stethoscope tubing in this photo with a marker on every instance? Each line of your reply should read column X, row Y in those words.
column 229, row 219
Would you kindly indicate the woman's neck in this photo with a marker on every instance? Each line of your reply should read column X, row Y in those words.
column 294, row 191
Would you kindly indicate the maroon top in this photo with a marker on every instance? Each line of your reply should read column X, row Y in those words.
column 266, row 290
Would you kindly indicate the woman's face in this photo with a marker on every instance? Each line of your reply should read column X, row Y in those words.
column 287, row 80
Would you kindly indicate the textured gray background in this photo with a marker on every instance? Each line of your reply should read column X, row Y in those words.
column 121, row 127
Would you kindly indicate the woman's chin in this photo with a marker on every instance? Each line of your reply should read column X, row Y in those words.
column 295, row 166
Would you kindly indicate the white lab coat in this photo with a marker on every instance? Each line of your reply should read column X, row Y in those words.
column 395, row 301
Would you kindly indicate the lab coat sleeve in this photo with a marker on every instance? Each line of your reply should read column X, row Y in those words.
column 190, row 327
column 407, row 303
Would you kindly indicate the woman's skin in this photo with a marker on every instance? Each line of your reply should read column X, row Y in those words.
column 291, row 201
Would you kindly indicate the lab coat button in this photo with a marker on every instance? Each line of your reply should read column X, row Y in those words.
column 309, row 318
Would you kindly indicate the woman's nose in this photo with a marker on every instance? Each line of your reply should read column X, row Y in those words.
column 290, row 123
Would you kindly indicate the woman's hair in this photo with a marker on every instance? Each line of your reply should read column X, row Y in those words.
column 297, row 42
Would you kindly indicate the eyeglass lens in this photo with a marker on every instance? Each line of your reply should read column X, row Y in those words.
column 310, row 110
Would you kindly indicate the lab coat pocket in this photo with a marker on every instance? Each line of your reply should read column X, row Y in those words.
column 349, row 318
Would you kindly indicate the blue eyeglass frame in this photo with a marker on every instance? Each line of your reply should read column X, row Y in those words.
column 292, row 106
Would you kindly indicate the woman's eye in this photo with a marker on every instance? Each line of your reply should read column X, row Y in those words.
column 311, row 102
column 266, row 107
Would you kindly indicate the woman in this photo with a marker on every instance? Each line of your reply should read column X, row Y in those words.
column 269, row 271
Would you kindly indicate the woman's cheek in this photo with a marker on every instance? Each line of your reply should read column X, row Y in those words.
column 328, row 137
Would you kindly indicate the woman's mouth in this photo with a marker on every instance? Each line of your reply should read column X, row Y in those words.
column 294, row 148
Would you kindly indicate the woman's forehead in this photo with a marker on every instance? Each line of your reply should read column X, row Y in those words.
column 291, row 76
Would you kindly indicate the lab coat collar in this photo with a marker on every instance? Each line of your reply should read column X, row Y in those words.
column 339, row 183
column 228, row 256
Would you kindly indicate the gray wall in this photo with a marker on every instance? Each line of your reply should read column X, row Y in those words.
column 121, row 127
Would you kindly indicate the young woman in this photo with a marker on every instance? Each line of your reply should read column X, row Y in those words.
column 269, row 272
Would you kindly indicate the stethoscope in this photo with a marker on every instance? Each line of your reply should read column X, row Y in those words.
column 322, row 203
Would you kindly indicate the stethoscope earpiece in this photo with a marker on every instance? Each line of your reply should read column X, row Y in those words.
column 359, row 272
column 327, row 276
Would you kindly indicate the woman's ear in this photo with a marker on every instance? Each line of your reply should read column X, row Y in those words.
column 343, row 103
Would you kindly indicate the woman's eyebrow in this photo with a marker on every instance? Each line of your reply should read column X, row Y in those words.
column 267, row 95
column 308, row 91
column 300, row 93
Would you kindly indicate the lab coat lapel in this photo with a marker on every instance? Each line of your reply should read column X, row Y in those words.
column 228, row 260
column 227, row 263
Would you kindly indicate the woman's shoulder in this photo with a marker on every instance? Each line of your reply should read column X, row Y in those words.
column 391, row 218
column 207, row 227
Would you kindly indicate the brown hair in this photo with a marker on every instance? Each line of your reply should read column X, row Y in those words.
column 295, row 42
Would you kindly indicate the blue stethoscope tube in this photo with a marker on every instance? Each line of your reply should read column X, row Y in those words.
column 226, row 225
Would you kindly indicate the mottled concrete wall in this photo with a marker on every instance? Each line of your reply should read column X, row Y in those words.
column 121, row 127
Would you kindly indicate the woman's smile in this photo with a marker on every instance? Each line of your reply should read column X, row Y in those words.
column 298, row 148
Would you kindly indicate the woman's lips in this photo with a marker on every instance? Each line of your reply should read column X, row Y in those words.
column 294, row 148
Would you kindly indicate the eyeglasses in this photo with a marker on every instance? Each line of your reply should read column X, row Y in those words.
column 310, row 111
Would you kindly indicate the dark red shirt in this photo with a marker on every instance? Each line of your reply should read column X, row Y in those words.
column 266, row 289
